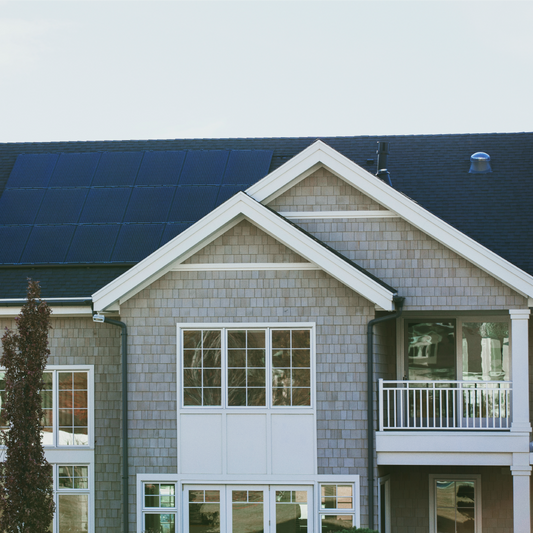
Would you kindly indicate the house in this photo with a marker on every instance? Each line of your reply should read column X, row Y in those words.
column 243, row 285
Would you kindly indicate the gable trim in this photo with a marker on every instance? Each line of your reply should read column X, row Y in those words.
column 294, row 215
column 321, row 155
column 240, row 207
column 205, row 267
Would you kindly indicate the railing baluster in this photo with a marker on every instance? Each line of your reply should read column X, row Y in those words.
column 444, row 405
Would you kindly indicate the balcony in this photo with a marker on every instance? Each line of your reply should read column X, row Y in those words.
column 445, row 405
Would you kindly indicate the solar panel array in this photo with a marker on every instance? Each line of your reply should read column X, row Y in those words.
column 114, row 207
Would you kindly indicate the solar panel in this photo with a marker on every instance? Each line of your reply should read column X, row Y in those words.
column 61, row 206
column 192, row 203
column 160, row 168
column 173, row 230
column 149, row 204
column 247, row 166
column 137, row 241
column 105, row 205
column 93, row 243
column 117, row 168
column 74, row 170
column 204, row 167
column 13, row 239
column 32, row 170
column 47, row 244
column 19, row 206
column 226, row 192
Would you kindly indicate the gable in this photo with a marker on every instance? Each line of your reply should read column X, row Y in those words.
column 244, row 243
column 323, row 191
column 218, row 222
column 428, row 274
column 320, row 155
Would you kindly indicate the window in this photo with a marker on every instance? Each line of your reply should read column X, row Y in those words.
column 337, row 510
column 65, row 400
column 463, row 349
column 159, row 508
column 455, row 504
column 246, row 367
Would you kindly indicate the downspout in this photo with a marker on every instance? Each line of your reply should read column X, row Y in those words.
column 101, row 318
column 398, row 304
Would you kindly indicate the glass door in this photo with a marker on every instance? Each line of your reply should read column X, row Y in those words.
column 248, row 509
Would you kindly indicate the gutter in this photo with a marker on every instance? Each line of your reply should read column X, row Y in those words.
column 124, row 363
column 398, row 304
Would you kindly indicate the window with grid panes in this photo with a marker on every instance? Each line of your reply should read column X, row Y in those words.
column 248, row 367
column 336, row 506
column 159, row 508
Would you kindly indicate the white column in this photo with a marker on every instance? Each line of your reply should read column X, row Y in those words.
column 520, row 370
column 521, row 505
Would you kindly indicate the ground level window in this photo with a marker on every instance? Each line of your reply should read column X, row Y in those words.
column 159, row 508
column 72, row 498
column 337, row 511
column 455, row 504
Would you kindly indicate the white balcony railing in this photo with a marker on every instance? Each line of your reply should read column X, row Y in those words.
column 445, row 405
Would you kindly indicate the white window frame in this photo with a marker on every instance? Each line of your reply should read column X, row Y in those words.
column 90, row 405
column 90, row 491
column 222, row 484
column 433, row 478
column 158, row 510
column 311, row 326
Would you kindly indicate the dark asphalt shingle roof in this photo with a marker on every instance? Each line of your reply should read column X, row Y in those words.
column 494, row 208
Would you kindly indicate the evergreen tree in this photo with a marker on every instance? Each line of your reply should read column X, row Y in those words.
column 26, row 492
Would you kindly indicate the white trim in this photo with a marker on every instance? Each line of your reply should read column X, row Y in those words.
column 210, row 481
column 338, row 214
column 57, row 310
column 201, row 267
column 240, row 207
column 320, row 154
column 384, row 480
column 476, row 478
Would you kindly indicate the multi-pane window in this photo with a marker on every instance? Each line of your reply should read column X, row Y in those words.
column 72, row 498
column 291, row 511
column 159, row 508
column 263, row 367
column 455, row 504
column 65, row 403
column 65, row 408
column 204, row 511
column 336, row 507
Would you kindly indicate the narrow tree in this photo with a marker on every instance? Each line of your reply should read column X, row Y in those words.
column 26, row 493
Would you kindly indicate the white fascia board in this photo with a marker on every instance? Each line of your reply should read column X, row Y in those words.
column 215, row 223
column 63, row 311
column 320, row 154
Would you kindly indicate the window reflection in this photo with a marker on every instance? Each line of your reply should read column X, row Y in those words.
column 486, row 351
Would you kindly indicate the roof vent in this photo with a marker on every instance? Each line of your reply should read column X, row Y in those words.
column 479, row 163
column 382, row 172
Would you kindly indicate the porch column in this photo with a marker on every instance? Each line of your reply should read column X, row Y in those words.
column 521, row 506
column 520, row 370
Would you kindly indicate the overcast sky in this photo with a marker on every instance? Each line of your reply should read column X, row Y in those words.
column 92, row 70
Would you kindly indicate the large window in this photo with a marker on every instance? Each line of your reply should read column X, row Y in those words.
column 66, row 413
column 246, row 367
column 466, row 349
column 455, row 504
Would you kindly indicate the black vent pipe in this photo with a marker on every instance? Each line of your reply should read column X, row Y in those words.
column 382, row 153
column 398, row 304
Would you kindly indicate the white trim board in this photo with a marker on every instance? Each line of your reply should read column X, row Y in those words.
column 193, row 267
column 295, row 215
column 238, row 208
column 57, row 310
column 320, row 154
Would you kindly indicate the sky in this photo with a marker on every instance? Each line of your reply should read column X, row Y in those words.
column 95, row 70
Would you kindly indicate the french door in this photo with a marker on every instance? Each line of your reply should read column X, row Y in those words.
column 247, row 509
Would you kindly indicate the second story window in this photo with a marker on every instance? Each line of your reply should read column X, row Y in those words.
column 248, row 367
